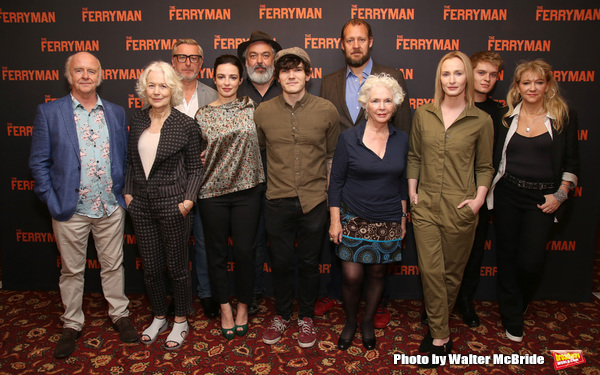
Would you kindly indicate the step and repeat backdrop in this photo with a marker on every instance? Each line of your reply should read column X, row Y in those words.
column 412, row 36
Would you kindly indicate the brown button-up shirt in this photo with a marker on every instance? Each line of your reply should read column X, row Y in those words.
column 300, row 142
column 452, row 161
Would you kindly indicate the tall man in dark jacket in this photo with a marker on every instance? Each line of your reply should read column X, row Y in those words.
column 486, row 67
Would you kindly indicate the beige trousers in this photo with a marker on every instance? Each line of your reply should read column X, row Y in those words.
column 72, row 240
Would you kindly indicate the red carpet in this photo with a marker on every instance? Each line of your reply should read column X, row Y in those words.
column 30, row 326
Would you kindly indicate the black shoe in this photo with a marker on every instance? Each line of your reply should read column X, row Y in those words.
column 127, row 332
column 427, row 343
column 66, row 344
column 368, row 342
column 255, row 305
column 424, row 319
column 469, row 316
column 344, row 344
column 437, row 351
column 210, row 307
column 514, row 333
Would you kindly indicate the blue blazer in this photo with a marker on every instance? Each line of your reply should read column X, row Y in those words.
column 54, row 159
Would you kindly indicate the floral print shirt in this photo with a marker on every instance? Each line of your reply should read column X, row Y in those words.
column 229, row 137
column 96, row 196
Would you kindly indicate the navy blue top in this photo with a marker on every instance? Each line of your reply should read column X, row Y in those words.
column 371, row 187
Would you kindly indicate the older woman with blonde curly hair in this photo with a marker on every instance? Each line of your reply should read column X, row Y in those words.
column 536, row 160
column 367, row 198
column 161, row 184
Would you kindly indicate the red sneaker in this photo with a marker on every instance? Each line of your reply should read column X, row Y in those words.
column 273, row 334
column 382, row 317
column 324, row 304
column 306, row 333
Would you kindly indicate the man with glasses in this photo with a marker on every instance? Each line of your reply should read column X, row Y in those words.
column 258, row 54
column 187, row 59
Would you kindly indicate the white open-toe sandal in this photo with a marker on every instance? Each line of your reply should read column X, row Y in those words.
column 177, row 335
column 157, row 327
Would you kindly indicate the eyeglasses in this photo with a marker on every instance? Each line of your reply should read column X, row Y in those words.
column 183, row 58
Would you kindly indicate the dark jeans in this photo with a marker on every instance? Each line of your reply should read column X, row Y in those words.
column 261, row 250
column 522, row 231
column 334, row 286
column 200, row 262
column 286, row 223
column 236, row 214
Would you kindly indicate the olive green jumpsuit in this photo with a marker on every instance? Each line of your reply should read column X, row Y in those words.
column 449, row 166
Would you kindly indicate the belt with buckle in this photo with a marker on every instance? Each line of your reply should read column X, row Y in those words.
column 530, row 185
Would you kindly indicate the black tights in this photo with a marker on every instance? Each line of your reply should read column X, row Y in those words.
column 353, row 276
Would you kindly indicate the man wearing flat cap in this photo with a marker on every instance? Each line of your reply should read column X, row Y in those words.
column 299, row 132
column 258, row 54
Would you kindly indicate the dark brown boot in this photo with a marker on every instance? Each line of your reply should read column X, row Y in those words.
column 127, row 332
column 66, row 344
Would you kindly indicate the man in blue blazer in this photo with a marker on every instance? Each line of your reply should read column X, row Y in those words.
column 78, row 156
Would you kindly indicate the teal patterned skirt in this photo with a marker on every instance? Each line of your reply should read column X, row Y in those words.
column 367, row 242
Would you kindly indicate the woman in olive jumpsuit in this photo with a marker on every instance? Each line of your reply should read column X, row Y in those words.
column 449, row 172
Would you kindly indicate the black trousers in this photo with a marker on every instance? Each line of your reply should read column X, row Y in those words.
column 162, row 234
column 236, row 214
column 472, row 272
column 522, row 232
column 286, row 224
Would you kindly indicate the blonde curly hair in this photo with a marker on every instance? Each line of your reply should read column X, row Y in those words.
column 554, row 104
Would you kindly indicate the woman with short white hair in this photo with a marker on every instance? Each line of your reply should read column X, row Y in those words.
column 367, row 198
column 161, row 184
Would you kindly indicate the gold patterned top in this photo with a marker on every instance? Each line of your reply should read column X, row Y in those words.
column 233, row 161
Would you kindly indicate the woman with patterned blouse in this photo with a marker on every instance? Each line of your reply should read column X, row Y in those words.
column 230, row 195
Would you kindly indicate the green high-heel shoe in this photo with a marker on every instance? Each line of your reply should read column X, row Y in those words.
column 228, row 333
column 243, row 331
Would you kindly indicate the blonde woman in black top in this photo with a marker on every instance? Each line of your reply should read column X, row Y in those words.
column 536, row 159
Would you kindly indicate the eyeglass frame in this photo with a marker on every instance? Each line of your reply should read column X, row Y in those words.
column 178, row 57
